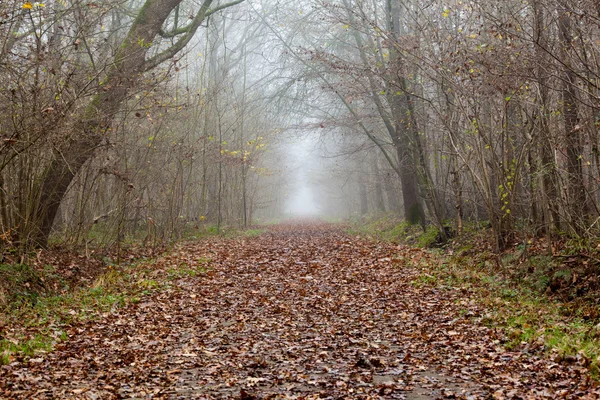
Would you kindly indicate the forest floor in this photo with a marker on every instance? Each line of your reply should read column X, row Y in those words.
column 301, row 311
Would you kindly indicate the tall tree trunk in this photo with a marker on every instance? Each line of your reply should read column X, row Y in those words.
column 91, row 127
column 393, row 202
column 379, row 202
column 548, row 184
column 403, row 138
column 575, row 187
column 413, row 209
column 363, row 190
column 364, row 198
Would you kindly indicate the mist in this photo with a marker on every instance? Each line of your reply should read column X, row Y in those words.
column 302, row 200
column 261, row 110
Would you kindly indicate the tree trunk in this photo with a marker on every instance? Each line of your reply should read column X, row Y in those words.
column 413, row 209
column 575, row 188
column 548, row 184
column 403, row 138
column 393, row 202
column 364, row 198
column 379, row 202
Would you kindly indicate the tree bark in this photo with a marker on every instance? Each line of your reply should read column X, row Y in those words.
column 548, row 181
column 413, row 209
column 575, row 187
column 364, row 198
column 393, row 202
column 406, row 135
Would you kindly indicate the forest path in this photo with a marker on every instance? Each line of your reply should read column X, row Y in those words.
column 302, row 311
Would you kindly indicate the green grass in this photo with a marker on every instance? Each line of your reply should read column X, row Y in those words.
column 512, row 291
column 524, row 314
column 19, row 283
column 183, row 270
column 424, row 280
column 252, row 232
column 28, row 306
column 429, row 237
column 28, row 348
column 225, row 231
column 390, row 228
column 50, row 315
column 384, row 227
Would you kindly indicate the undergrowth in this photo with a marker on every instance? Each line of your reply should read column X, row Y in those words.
column 534, row 297
column 528, row 317
column 50, row 316
column 386, row 228
column 389, row 227
column 35, row 315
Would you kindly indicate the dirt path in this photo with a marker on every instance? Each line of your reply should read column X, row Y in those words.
column 302, row 311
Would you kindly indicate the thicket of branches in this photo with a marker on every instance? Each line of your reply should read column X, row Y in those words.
column 484, row 110
column 187, row 143
column 145, row 117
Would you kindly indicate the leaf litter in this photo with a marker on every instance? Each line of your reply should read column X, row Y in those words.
column 303, row 311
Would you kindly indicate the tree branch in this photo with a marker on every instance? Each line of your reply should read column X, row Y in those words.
column 223, row 6
column 174, row 32
column 187, row 32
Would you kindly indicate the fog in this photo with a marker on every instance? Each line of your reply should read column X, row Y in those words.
column 128, row 126
column 303, row 200
column 259, row 110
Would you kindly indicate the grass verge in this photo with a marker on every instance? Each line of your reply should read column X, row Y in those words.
column 529, row 296
column 34, row 317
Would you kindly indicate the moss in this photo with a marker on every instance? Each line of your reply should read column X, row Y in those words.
column 414, row 214
column 429, row 237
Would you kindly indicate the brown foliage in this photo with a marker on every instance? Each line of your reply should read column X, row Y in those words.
column 303, row 311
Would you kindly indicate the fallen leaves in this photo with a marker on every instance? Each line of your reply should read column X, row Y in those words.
column 302, row 311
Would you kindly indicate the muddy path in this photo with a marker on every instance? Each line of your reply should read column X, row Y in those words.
column 302, row 311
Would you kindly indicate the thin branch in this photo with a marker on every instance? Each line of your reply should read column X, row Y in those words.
column 190, row 30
